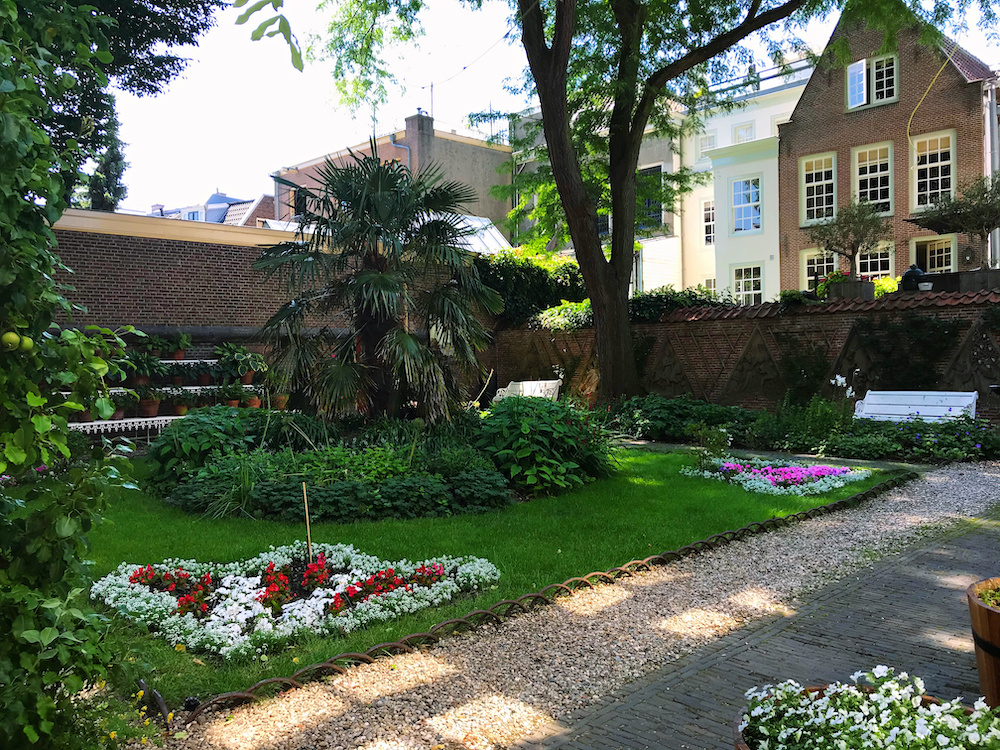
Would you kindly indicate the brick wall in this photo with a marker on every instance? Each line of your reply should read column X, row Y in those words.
column 744, row 355
column 821, row 124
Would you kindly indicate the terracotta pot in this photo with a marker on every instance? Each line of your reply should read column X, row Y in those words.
column 85, row 416
column 247, row 377
column 204, row 378
column 178, row 354
column 154, row 353
column 177, row 379
column 139, row 380
column 253, row 403
column 148, row 407
column 180, row 410
column 986, row 634
column 119, row 413
column 279, row 401
column 233, row 402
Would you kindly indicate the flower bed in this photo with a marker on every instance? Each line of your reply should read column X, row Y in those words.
column 262, row 603
column 780, row 478
column 892, row 713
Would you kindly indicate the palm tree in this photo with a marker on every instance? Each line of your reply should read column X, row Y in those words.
column 383, row 292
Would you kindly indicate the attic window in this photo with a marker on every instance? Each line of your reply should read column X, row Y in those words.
column 872, row 81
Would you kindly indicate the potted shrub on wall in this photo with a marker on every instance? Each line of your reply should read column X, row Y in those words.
column 123, row 401
column 237, row 363
column 144, row 367
column 251, row 398
column 984, row 612
column 276, row 392
column 156, row 346
column 149, row 401
column 857, row 228
column 231, row 394
column 203, row 372
column 181, row 400
column 178, row 373
column 181, row 343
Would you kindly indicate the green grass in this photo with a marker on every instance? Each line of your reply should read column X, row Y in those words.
column 646, row 508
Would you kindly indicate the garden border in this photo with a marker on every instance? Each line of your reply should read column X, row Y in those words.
column 509, row 607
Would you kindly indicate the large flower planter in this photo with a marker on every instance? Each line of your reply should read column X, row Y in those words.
column 986, row 634
column 863, row 290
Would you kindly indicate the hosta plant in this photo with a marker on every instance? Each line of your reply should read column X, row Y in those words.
column 266, row 601
column 880, row 710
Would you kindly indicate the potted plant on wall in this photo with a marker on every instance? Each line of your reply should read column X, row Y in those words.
column 251, row 398
column 123, row 401
column 144, row 367
column 181, row 400
column 276, row 392
column 857, row 228
column 149, row 401
column 231, row 394
column 236, row 362
column 155, row 346
column 178, row 373
column 203, row 372
column 181, row 342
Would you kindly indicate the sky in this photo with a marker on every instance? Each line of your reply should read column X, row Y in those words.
column 240, row 111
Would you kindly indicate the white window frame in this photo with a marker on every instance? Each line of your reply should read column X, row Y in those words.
column 710, row 284
column 192, row 215
column 953, row 238
column 737, row 127
column 777, row 120
column 805, row 256
column 733, row 231
column 803, row 221
column 706, row 206
column 856, row 178
column 914, row 167
column 883, row 247
column 702, row 146
column 740, row 296
column 859, row 83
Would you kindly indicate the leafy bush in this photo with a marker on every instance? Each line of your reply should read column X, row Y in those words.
column 185, row 445
column 648, row 307
column 567, row 316
column 545, row 446
column 343, row 485
column 657, row 418
column 527, row 286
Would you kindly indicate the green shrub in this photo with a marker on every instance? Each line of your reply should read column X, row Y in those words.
column 185, row 445
column 567, row 316
column 545, row 446
column 862, row 446
column 527, row 286
column 657, row 418
column 648, row 307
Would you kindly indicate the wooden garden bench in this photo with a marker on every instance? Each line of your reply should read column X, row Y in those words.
column 539, row 388
column 902, row 406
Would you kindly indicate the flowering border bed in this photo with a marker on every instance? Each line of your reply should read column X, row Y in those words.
column 258, row 604
column 893, row 713
column 779, row 477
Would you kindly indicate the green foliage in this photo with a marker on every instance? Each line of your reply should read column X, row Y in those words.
column 387, row 247
column 144, row 363
column 105, row 189
column 991, row 317
column 886, row 285
column 904, row 351
column 649, row 307
column 545, row 446
column 186, row 444
column 857, row 228
column 343, row 486
column 713, row 443
column 657, row 418
column 976, row 212
column 235, row 361
column 527, row 286
column 568, row 316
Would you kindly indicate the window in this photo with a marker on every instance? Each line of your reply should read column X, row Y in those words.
column 747, row 288
column 746, row 205
column 875, row 264
column 710, row 284
column 873, row 173
column 818, row 188
column 933, row 168
column 706, row 142
column 650, row 184
column 192, row 215
column 872, row 82
column 708, row 217
column 743, row 133
column 603, row 225
column 936, row 255
column 816, row 265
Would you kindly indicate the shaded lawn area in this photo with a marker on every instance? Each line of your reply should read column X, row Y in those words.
column 646, row 508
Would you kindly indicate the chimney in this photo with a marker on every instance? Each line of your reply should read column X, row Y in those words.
column 157, row 209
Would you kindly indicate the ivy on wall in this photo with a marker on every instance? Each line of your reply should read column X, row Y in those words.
column 906, row 351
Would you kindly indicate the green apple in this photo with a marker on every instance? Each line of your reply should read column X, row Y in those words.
column 27, row 344
column 11, row 340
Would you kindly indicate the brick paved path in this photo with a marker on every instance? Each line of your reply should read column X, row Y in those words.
column 908, row 611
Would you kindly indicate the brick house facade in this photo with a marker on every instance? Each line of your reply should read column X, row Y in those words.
column 898, row 129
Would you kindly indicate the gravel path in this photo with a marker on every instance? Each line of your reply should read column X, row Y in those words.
column 490, row 688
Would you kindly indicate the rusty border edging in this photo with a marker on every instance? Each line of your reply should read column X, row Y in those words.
column 508, row 607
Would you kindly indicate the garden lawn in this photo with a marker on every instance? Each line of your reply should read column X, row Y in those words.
column 645, row 509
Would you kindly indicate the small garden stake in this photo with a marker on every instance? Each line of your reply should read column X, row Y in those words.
column 309, row 544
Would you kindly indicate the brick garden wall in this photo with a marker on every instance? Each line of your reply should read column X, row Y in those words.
column 748, row 356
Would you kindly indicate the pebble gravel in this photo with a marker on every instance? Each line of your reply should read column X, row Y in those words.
column 492, row 687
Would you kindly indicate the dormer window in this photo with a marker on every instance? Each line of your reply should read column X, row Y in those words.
column 872, row 81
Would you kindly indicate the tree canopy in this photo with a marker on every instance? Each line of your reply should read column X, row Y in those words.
column 975, row 212
column 857, row 228
column 606, row 75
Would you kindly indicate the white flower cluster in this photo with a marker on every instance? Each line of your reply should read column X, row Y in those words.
column 239, row 624
column 890, row 714
column 757, row 483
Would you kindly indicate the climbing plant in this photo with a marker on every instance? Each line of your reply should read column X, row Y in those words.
column 904, row 351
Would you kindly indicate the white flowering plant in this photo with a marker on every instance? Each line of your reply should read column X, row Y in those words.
column 778, row 477
column 880, row 710
column 262, row 603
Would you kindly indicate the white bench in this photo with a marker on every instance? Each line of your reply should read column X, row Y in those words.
column 538, row 388
column 902, row 406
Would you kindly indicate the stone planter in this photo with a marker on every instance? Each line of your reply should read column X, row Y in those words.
column 863, row 290
column 986, row 634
